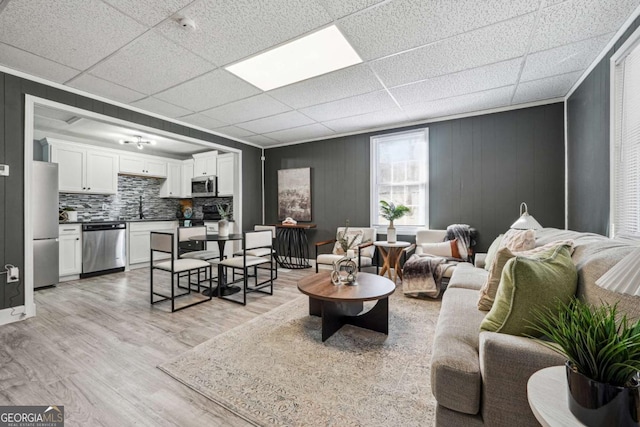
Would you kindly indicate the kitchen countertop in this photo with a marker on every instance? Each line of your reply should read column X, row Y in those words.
column 119, row 220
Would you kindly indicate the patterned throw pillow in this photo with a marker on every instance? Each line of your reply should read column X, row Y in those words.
column 519, row 240
column 355, row 236
column 490, row 287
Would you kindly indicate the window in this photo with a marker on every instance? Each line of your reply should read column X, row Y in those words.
column 400, row 174
column 625, row 158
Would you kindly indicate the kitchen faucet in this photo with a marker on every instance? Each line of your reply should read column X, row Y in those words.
column 140, row 209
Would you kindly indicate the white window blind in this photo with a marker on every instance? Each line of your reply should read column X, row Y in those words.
column 626, row 156
column 400, row 175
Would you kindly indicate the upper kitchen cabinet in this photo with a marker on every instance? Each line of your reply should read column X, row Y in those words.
column 187, row 174
column 83, row 169
column 205, row 164
column 226, row 174
column 172, row 186
column 142, row 166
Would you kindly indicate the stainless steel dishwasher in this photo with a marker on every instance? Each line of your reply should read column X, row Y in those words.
column 104, row 248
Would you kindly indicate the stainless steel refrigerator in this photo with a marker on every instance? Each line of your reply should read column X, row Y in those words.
column 44, row 197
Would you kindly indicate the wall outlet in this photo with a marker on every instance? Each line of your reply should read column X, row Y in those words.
column 4, row 170
column 105, row 207
column 13, row 274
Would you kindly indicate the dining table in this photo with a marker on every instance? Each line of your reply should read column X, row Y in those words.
column 222, row 242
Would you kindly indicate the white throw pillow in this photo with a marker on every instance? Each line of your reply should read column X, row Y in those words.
column 519, row 240
column 355, row 236
column 437, row 249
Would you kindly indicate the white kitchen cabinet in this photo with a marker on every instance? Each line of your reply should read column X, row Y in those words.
column 140, row 240
column 187, row 174
column 70, row 242
column 226, row 174
column 172, row 186
column 142, row 166
column 82, row 169
column 205, row 164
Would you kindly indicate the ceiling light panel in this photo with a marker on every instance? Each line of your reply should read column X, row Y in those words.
column 310, row 56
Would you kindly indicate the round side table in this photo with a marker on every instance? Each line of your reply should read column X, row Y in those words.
column 391, row 253
column 547, row 395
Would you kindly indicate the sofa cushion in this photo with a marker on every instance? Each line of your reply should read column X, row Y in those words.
column 466, row 276
column 492, row 251
column 528, row 284
column 455, row 368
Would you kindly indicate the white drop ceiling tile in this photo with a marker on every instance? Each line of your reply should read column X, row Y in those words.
column 550, row 87
column 301, row 133
column 35, row 65
column 493, row 98
column 151, row 64
column 339, row 8
column 339, row 84
column 160, row 107
column 356, row 105
column 367, row 121
column 234, row 131
column 261, row 140
column 202, row 121
column 281, row 121
column 576, row 20
column 247, row 109
column 231, row 30
column 455, row 84
column 563, row 59
column 104, row 88
column 77, row 33
column 149, row 12
column 209, row 90
column 498, row 42
column 405, row 24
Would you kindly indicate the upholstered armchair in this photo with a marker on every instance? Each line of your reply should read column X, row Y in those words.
column 363, row 248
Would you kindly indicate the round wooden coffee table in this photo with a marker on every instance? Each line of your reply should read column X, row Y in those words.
column 341, row 305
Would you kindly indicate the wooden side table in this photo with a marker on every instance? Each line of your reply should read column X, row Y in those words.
column 547, row 394
column 391, row 253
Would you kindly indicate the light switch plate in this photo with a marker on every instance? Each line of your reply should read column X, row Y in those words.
column 4, row 170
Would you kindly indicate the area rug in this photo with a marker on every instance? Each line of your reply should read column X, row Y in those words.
column 275, row 370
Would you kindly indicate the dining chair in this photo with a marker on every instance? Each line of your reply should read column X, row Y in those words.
column 252, row 240
column 163, row 242
column 263, row 252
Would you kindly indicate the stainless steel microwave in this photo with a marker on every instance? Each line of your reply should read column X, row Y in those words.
column 204, row 186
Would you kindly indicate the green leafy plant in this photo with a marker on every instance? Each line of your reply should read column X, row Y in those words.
column 343, row 238
column 391, row 212
column 598, row 342
column 224, row 210
column 69, row 209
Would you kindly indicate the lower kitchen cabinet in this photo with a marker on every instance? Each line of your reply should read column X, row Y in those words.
column 70, row 240
column 140, row 240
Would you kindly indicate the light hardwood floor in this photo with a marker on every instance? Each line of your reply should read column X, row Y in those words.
column 95, row 344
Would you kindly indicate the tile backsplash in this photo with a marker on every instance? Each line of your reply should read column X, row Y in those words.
column 125, row 204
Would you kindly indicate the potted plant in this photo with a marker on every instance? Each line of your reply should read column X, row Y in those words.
column 347, row 244
column 603, row 352
column 391, row 212
column 224, row 209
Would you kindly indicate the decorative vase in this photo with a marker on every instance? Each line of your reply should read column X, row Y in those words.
column 391, row 233
column 598, row 404
column 223, row 228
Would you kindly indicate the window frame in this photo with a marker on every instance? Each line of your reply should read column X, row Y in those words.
column 374, row 208
column 617, row 59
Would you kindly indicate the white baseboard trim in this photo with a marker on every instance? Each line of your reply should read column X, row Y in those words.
column 69, row 278
column 15, row 314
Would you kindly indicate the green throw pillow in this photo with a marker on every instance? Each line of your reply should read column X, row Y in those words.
column 528, row 284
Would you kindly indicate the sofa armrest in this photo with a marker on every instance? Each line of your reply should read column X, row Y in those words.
column 480, row 260
column 506, row 363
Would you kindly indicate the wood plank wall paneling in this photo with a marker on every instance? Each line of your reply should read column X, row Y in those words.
column 12, row 95
column 588, row 147
column 481, row 168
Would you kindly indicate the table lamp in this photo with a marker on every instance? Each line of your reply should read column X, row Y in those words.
column 624, row 277
column 526, row 221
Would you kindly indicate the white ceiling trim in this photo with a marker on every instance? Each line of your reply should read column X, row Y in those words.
column 602, row 54
column 426, row 122
column 120, row 104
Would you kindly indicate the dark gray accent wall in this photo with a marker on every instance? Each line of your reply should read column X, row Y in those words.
column 12, row 94
column 588, row 147
column 480, row 169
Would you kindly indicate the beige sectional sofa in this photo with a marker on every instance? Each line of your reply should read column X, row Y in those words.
column 480, row 378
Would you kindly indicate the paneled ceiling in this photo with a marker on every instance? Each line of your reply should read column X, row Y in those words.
column 422, row 59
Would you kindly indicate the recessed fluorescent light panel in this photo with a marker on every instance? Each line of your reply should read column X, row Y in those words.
column 313, row 55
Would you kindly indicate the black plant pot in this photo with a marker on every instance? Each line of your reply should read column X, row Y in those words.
column 598, row 404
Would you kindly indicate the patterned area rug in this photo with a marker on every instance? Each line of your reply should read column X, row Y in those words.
column 275, row 369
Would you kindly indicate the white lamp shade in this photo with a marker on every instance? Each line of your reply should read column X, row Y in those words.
column 526, row 221
column 624, row 277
